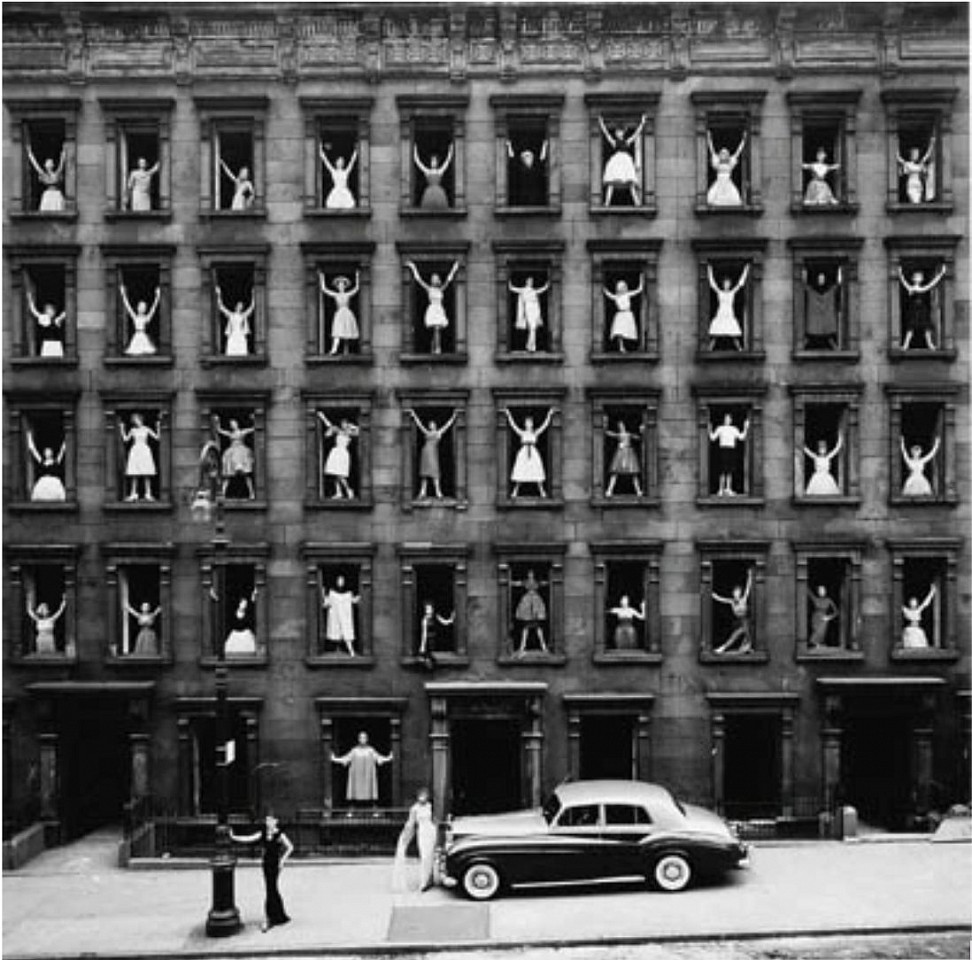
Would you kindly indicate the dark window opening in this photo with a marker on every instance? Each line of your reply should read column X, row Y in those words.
column 339, row 452
column 237, row 452
column 731, row 462
column 825, row 305
column 234, row 159
column 435, row 145
column 139, row 143
column 339, row 317
column 233, row 287
column 433, row 325
column 339, row 141
column 46, row 590
column 45, row 291
column 826, row 136
column 236, row 611
column 435, row 587
column 528, row 308
column 530, row 605
column 340, row 617
column 485, row 763
column 730, row 317
column 206, row 782
column 434, row 459
column 727, row 133
column 626, row 325
column 728, row 576
column 141, row 617
column 137, row 468
column 141, row 284
column 625, row 815
column 582, row 815
column 45, row 139
column 626, row 587
column 919, row 179
column 824, row 429
column 347, row 731
column 828, row 617
column 528, row 167
column 922, row 591
column 921, row 434
column 624, row 457
column 753, row 768
column 875, row 766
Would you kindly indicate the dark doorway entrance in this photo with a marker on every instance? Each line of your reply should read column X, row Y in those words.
column 485, row 758
column 876, row 770
column 607, row 748
column 94, row 761
column 752, row 774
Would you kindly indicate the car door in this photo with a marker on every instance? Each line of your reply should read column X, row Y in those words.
column 575, row 844
column 624, row 830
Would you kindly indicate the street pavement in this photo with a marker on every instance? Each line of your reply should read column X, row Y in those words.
column 74, row 901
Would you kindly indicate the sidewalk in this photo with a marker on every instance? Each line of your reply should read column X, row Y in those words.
column 80, row 904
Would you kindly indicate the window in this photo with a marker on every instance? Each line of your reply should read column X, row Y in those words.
column 529, row 300
column 338, row 428
column 232, row 160
column 728, row 153
column 434, row 303
column 527, row 153
column 235, row 289
column 609, row 735
column 139, row 300
column 733, row 601
column 139, row 578
column 44, row 133
column 337, row 146
column 625, row 815
column 42, row 451
column 730, row 445
column 434, row 584
column 924, row 598
column 339, row 603
column 138, row 439
column 44, row 300
column 235, row 423
column 583, row 815
column 625, row 300
column 43, row 616
column 433, row 155
column 339, row 302
column 531, row 603
column 433, row 431
column 922, row 297
column 529, row 443
column 139, row 157
column 828, row 599
column 622, row 142
column 730, row 300
column 235, row 603
column 625, row 455
column 826, row 299
column 923, row 467
column 823, row 126
column 919, row 125
column 826, row 444
column 627, row 601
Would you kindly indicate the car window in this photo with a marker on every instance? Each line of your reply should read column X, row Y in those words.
column 625, row 814
column 584, row 815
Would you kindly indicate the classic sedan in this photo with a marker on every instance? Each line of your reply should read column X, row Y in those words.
column 588, row 831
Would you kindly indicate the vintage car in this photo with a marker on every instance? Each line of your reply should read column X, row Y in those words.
column 590, row 831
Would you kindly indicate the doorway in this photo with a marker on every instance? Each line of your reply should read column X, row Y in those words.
column 94, row 762
column 752, row 771
column 876, row 769
column 607, row 747
column 485, row 758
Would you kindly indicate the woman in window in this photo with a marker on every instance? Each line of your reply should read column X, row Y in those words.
column 340, row 196
column 818, row 192
column 918, row 172
column 625, row 634
column 338, row 463
column 241, row 638
column 529, row 313
column 50, row 327
column 339, row 603
column 45, row 622
column 822, row 611
column 277, row 849
column 140, row 186
column 344, row 325
column 434, row 196
column 147, row 640
column 624, row 463
column 739, row 640
column 237, row 332
column 429, row 632
column 531, row 611
column 917, row 308
column 729, row 439
column 916, row 483
column 362, row 762
column 623, row 169
column 243, row 192
column 48, row 487
column 914, row 637
column 430, row 470
column 723, row 192
column 528, row 466
column 822, row 310
column 436, row 319
column 237, row 460
column 822, row 482
column 140, row 464
column 724, row 324
column 528, row 175
column 52, row 199
column 623, row 324
column 141, row 343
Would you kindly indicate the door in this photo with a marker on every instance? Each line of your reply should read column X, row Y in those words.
column 752, row 773
column 876, row 769
column 607, row 748
column 485, row 761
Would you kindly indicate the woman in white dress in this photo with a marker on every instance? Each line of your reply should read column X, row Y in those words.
column 141, row 343
column 822, row 482
column 430, row 469
column 916, row 483
column 147, row 640
column 339, row 604
column 818, row 192
column 48, row 487
column 340, row 196
column 50, row 324
column 421, row 825
column 528, row 465
column 623, row 325
column 344, row 325
column 237, row 459
column 337, row 466
column 140, row 186
column 529, row 315
column 435, row 318
column 52, row 199
column 723, row 192
column 724, row 323
column 241, row 639
column 434, row 196
column 140, row 464
column 918, row 172
column 914, row 636
column 623, row 168
column 243, row 192
column 45, row 621
column 729, row 439
column 237, row 330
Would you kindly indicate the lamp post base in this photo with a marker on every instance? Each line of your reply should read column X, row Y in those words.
column 224, row 917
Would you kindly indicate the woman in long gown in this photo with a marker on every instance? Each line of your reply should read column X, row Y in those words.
column 237, row 458
column 50, row 328
column 528, row 465
column 623, row 324
column 146, row 640
column 141, row 343
column 822, row 482
column 421, row 825
column 622, row 170
column 337, row 466
column 529, row 315
column 918, row 172
column 723, row 192
column 625, row 634
column 822, row 310
column 624, row 463
column 140, row 464
column 277, row 849
column 48, row 487
column 916, row 310
column 434, row 196
column 340, row 196
column 237, row 330
column 724, row 323
column 243, row 191
column 45, row 623
column 140, row 186
column 818, row 192
column 344, row 325
column 822, row 611
column 914, row 636
column 430, row 470
column 362, row 762
column 916, row 483
column 52, row 199
column 339, row 605
column 435, row 320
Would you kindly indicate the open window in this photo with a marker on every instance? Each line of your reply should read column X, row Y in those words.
column 609, row 736
column 923, row 455
column 338, row 429
column 529, row 296
column 139, row 578
column 919, row 149
column 337, row 156
column 529, row 443
column 625, row 453
column 42, row 452
column 235, row 295
column 924, row 599
column 531, row 603
column 823, row 126
column 42, row 620
column 434, row 303
column 527, row 153
column 139, row 299
column 138, row 447
column 434, row 585
column 233, row 155
column 627, row 601
column 733, row 601
column 828, row 600
column 235, row 424
column 235, row 603
column 433, row 155
column 826, row 444
column 728, row 151
column 433, row 431
column 338, row 303
column 139, row 168
column 44, row 299
column 45, row 150
column 730, row 446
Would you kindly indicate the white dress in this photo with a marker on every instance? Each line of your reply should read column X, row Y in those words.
column 345, row 325
column 620, row 169
column 723, row 192
column 528, row 466
column 140, row 462
column 52, row 200
column 913, row 635
column 44, row 640
column 48, row 487
column 242, row 196
column 140, row 183
column 340, row 615
column 917, row 484
column 338, row 463
column 141, row 344
column 724, row 323
column 422, row 826
column 528, row 315
column 623, row 324
column 822, row 482
column 237, row 328
column 340, row 196
column 435, row 315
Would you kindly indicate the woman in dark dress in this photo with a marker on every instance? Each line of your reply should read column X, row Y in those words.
column 276, row 849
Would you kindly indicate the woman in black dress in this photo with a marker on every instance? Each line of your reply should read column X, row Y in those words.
column 276, row 849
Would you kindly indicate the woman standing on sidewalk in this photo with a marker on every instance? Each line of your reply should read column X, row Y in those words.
column 276, row 849
column 421, row 825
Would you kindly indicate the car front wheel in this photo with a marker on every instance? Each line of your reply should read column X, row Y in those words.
column 672, row 872
column 481, row 881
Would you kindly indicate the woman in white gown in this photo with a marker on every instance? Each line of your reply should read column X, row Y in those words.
column 340, row 196
column 623, row 168
column 724, row 323
column 723, row 192
column 818, row 192
column 913, row 636
column 916, row 483
column 528, row 465
column 623, row 324
column 48, row 486
column 344, row 324
column 337, row 466
column 140, row 464
column 140, row 186
column 237, row 330
column 421, row 825
column 45, row 622
column 918, row 172
column 822, row 482
column 237, row 458
column 141, row 343
column 339, row 603
column 243, row 192
column 52, row 199
column 436, row 320
column 529, row 315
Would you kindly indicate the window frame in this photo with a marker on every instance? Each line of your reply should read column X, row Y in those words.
column 317, row 112
column 834, row 106
column 755, row 554
column 509, row 255
column 20, row 558
column 119, row 557
column 553, row 555
column 636, row 706
column 644, row 402
column 851, row 553
column 315, row 400
column 120, row 115
column 846, row 396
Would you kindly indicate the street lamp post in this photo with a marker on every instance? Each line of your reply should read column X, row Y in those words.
column 224, row 916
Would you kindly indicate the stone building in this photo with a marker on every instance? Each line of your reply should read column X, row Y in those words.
column 368, row 270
